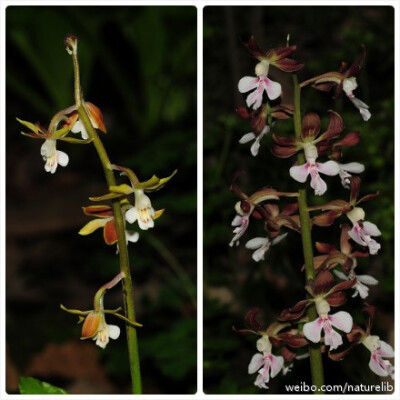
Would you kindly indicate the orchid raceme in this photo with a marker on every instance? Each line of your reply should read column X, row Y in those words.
column 106, row 221
column 330, row 274
column 86, row 118
column 94, row 325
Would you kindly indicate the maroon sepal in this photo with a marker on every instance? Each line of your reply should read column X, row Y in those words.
column 326, row 219
column 371, row 310
column 295, row 312
column 285, row 141
column 324, row 87
column 355, row 68
column 350, row 139
column 290, row 208
column 244, row 331
column 243, row 112
column 293, row 340
column 275, row 342
column 325, row 248
column 259, row 120
column 282, row 111
column 356, row 334
column 288, row 65
column 335, row 127
column 336, row 299
column 280, row 53
column 355, row 185
column 284, row 152
column 342, row 354
column 345, row 285
column 251, row 320
column 368, row 197
column 323, row 282
column 287, row 354
column 311, row 126
column 253, row 48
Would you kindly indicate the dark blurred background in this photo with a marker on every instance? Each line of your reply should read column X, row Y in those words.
column 233, row 282
column 138, row 64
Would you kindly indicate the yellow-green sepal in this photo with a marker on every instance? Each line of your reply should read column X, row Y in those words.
column 59, row 134
column 154, row 183
column 29, row 125
column 123, row 189
column 108, row 196
column 76, row 141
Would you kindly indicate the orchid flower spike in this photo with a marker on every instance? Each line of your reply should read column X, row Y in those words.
column 379, row 351
column 342, row 320
column 265, row 363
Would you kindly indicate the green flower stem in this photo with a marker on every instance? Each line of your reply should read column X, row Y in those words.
column 129, row 305
column 317, row 369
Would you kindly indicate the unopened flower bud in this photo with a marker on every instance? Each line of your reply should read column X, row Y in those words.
column 71, row 43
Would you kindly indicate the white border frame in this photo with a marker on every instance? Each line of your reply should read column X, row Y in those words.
column 200, row 4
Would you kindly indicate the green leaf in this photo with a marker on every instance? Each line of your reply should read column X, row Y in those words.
column 28, row 385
